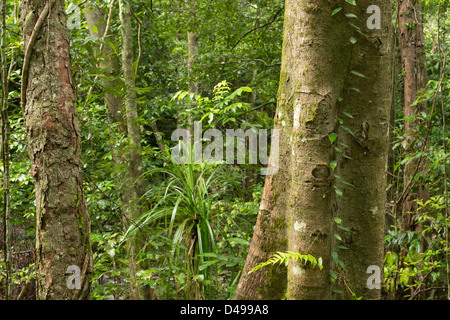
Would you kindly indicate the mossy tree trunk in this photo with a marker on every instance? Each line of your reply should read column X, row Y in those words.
column 300, row 202
column 54, row 146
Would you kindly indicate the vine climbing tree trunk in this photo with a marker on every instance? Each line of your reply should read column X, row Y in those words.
column 54, row 146
column 363, row 136
column 324, row 55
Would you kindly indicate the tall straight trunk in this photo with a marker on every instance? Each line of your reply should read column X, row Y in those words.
column 300, row 202
column 131, row 111
column 109, row 64
column 415, row 79
column 193, row 51
column 5, row 158
column 135, row 166
column 364, row 138
column 54, row 146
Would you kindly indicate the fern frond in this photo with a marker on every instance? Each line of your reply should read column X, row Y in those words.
column 283, row 258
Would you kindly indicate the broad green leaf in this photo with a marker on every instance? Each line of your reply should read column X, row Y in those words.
column 333, row 136
column 333, row 164
column 353, row 40
column 351, row 15
column 336, row 11
column 352, row 2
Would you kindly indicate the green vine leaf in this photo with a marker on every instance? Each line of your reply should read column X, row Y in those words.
column 356, row 73
column 332, row 137
column 336, row 11
column 333, row 164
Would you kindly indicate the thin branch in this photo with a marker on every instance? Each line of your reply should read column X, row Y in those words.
column 258, row 27
column 139, row 41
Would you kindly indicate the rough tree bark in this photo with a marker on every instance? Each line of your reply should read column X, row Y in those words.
column 415, row 79
column 54, row 146
column 300, row 202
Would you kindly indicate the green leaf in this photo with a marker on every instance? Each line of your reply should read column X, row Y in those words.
column 353, row 40
column 335, row 256
column 333, row 164
column 341, row 263
column 337, row 236
column 351, row 15
column 348, row 130
column 338, row 192
column 352, row 2
column 344, row 228
column 94, row 29
column 239, row 241
column 354, row 89
column 336, row 11
column 340, row 246
column 338, row 220
column 347, row 114
column 356, row 73
column 333, row 136
column 333, row 275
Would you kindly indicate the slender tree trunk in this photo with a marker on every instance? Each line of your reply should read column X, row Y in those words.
column 135, row 166
column 5, row 158
column 415, row 79
column 54, row 146
column 299, row 203
column 193, row 51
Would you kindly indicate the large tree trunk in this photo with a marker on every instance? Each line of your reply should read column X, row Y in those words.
column 415, row 79
column 299, row 202
column 54, row 146
column 362, row 207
